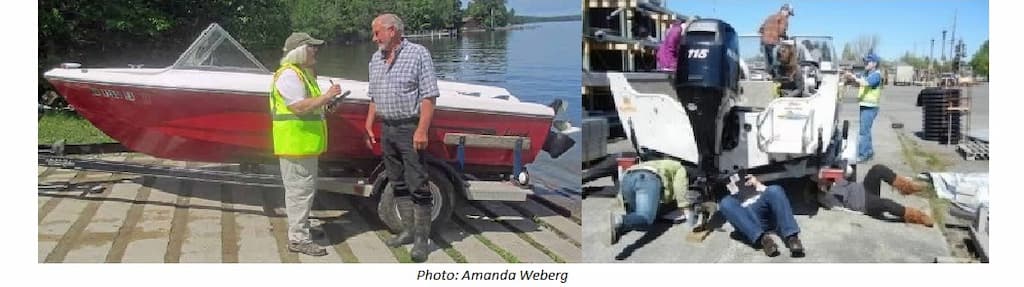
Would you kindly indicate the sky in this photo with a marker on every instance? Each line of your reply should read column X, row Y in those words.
column 900, row 24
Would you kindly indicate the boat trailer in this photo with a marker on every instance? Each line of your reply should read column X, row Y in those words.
column 517, row 189
column 513, row 188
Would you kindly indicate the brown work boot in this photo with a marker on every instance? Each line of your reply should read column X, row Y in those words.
column 768, row 245
column 906, row 185
column 916, row 216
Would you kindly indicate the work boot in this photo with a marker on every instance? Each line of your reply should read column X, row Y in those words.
column 906, row 185
column 405, row 210
column 796, row 248
column 615, row 228
column 768, row 245
column 421, row 232
column 916, row 216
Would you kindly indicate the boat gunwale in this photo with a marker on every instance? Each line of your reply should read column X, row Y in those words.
column 249, row 93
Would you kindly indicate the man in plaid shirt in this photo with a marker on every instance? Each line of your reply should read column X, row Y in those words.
column 403, row 90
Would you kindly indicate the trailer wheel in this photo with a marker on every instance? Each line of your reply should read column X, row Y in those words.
column 440, row 187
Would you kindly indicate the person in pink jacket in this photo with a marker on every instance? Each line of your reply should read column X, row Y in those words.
column 668, row 51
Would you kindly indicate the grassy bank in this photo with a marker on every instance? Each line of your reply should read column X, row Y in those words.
column 923, row 161
column 70, row 127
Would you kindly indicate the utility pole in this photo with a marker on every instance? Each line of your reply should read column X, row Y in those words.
column 931, row 56
column 943, row 48
column 952, row 36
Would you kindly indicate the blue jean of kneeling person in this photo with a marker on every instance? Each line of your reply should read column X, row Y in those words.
column 641, row 192
column 770, row 211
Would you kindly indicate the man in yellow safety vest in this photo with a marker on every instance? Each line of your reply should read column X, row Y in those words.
column 300, row 134
column 869, row 95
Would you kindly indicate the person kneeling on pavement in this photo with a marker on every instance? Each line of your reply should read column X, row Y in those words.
column 866, row 197
column 755, row 210
column 647, row 189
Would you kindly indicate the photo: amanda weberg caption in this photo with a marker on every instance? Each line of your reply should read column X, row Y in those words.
column 522, row 275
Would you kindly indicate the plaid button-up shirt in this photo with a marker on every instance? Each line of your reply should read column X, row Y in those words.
column 398, row 89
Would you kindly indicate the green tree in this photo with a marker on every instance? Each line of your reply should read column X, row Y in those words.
column 848, row 53
column 116, row 32
column 491, row 12
column 979, row 62
column 919, row 63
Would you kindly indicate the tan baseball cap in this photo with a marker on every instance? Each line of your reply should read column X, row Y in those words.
column 300, row 38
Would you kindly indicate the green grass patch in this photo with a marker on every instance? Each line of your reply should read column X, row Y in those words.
column 923, row 161
column 402, row 255
column 454, row 254
column 541, row 247
column 504, row 254
column 522, row 235
column 71, row 127
column 541, row 223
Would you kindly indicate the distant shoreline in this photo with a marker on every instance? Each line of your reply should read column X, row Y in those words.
column 541, row 19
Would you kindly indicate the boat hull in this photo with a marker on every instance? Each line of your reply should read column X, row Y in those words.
column 234, row 127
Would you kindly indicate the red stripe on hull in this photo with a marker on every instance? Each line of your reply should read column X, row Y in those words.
column 226, row 127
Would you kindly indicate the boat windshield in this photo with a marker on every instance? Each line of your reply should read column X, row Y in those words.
column 216, row 50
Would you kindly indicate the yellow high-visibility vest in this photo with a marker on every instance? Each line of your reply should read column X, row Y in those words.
column 294, row 134
column 869, row 96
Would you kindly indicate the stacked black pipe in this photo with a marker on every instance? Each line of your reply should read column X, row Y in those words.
column 941, row 123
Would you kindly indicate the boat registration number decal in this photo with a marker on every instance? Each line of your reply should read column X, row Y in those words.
column 117, row 95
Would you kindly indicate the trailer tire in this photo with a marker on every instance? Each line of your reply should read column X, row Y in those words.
column 440, row 186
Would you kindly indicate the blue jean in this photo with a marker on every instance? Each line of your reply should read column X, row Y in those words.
column 769, row 58
column 641, row 191
column 867, row 119
column 771, row 211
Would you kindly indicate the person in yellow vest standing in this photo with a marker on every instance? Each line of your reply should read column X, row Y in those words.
column 869, row 95
column 300, row 134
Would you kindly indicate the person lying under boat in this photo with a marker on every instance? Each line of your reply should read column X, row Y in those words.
column 866, row 197
column 756, row 211
column 648, row 189
column 789, row 80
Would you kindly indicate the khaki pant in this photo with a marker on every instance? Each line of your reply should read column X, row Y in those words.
column 299, row 175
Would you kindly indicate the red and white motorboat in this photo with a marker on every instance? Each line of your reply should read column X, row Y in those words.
column 212, row 106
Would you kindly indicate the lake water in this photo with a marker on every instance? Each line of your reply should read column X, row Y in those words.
column 538, row 63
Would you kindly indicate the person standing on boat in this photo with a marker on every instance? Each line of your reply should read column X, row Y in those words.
column 669, row 50
column 403, row 91
column 300, row 134
column 772, row 31
column 869, row 94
